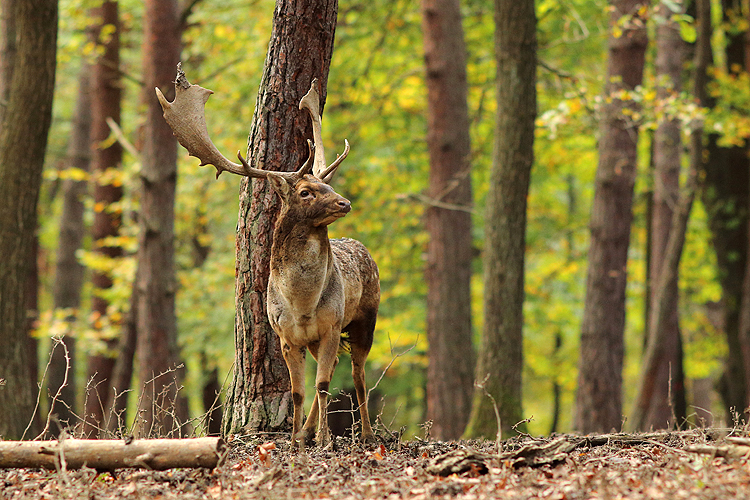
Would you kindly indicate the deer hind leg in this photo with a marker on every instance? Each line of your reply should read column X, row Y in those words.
column 359, row 356
column 295, row 363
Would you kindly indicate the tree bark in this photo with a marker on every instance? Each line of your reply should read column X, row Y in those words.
column 157, row 325
column 726, row 194
column 69, row 271
column 8, row 49
column 259, row 398
column 667, row 405
column 450, row 370
column 107, row 94
column 744, row 320
column 599, row 397
column 501, row 355
column 29, row 85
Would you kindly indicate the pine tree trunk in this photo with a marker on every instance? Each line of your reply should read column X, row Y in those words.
column 668, row 399
column 599, row 396
column 69, row 271
column 107, row 94
column 29, row 86
column 726, row 194
column 501, row 355
column 156, row 322
column 259, row 398
column 450, row 371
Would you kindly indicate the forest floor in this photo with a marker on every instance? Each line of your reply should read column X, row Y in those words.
column 697, row 464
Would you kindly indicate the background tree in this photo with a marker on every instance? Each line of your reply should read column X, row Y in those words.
column 725, row 188
column 29, row 80
column 599, row 392
column 667, row 402
column 450, row 369
column 69, row 272
column 301, row 46
column 156, row 286
column 500, row 361
column 108, row 192
column 661, row 343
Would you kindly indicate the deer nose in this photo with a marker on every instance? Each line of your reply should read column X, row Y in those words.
column 344, row 204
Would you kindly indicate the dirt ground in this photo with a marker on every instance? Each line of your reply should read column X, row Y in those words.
column 698, row 464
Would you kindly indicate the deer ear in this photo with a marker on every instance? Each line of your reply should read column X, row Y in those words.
column 280, row 185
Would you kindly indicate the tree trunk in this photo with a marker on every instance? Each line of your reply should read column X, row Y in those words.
column 450, row 371
column 501, row 355
column 599, row 398
column 107, row 93
column 665, row 293
column 157, row 325
column 259, row 398
column 68, row 270
column 667, row 405
column 8, row 50
column 29, row 86
column 122, row 373
column 725, row 194
column 744, row 322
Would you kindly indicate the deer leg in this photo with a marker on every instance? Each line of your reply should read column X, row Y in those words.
column 359, row 356
column 327, row 360
column 295, row 363
column 311, row 424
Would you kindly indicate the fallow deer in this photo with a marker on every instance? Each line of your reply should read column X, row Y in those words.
column 323, row 295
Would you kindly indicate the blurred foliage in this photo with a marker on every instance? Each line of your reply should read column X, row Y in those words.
column 377, row 100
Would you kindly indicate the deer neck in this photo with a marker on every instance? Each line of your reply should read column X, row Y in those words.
column 301, row 262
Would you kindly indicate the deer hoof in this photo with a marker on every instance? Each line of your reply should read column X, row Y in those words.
column 369, row 438
column 323, row 438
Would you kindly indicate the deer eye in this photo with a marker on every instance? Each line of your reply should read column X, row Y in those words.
column 305, row 193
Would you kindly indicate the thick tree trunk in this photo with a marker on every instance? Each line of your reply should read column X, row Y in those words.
column 744, row 323
column 501, row 355
column 157, row 325
column 28, row 107
column 599, row 397
column 667, row 404
column 107, row 93
column 8, row 49
column 450, row 372
column 259, row 398
column 69, row 271
column 725, row 194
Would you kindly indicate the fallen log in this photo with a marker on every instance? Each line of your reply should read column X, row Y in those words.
column 104, row 454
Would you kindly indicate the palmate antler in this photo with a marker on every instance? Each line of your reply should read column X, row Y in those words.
column 311, row 102
column 186, row 116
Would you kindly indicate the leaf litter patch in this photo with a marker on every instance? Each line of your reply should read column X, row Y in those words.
column 697, row 464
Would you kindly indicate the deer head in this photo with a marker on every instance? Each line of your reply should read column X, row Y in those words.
column 186, row 116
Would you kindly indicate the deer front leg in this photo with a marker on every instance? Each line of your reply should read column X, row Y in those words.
column 295, row 363
column 327, row 360
column 311, row 424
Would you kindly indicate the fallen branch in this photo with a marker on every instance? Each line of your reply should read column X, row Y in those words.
column 102, row 454
column 724, row 451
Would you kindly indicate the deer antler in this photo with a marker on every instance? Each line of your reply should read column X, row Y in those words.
column 186, row 116
column 311, row 102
